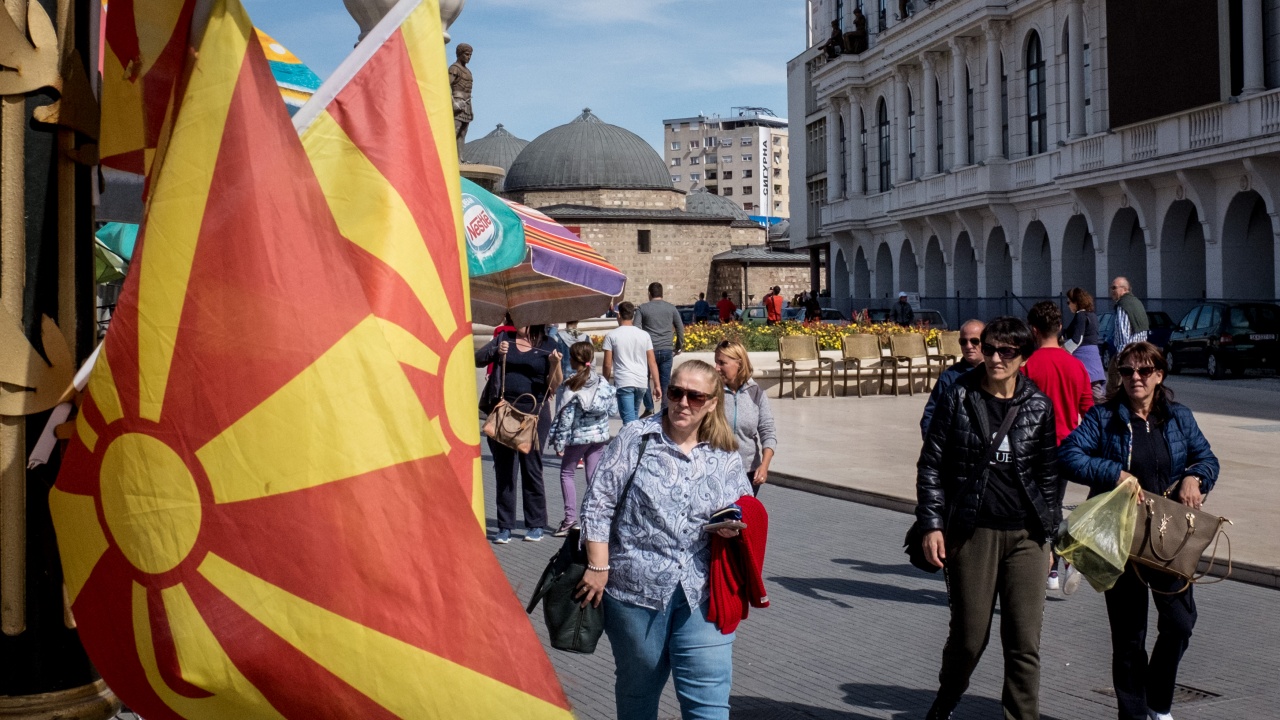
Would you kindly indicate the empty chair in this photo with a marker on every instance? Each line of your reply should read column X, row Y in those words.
column 949, row 349
column 798, row 354
column 861, row 353
column 908, row 352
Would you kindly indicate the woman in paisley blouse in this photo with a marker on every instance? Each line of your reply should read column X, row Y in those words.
column 648, row 557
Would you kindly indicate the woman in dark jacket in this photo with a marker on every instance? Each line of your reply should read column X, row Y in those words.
column 1141, row 432
column 1082, row 339
column 989, row 507
column 529, row 373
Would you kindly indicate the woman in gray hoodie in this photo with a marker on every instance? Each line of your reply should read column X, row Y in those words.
column 581, row 428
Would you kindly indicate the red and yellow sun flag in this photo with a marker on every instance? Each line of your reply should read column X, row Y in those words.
column 259, row 514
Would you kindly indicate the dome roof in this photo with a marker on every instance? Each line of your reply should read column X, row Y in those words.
column 498, row 148
column 702, row 202
column 588, row 153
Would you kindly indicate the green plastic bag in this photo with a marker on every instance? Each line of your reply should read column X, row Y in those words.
column 1099, row 533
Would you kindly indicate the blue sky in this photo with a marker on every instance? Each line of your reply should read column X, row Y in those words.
column 633, row 62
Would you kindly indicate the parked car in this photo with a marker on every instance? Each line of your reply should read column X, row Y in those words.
column 933, row 318
column 754, row 314
column 834, row 316
column 1161, row 328
column 1224, row 337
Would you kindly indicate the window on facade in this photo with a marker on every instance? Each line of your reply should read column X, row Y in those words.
column 817, row 194
column 777, row 140
column 746, row 190
column 1037, row 130
column 816, row 145
column 968, row 111
column 882, row 124
column 675, row 145
column 675, row 178
column 728, row 174
column 882, row 15
column 777, row 172
column 748, row 158
column 839, row 13
column 938, row 119
column 748, row 206
column 728, row 191
column 844, row 159
column 745, row 140
column 777, row 157
column 777, row 189
column 675, row 162
column 711, row 159
column 695, row 161
column 695, row 144
column 726, row 159
column 711, row 174
column 695, row 177
column 1088, row 89
column 911, row 135
column 642, row 241
column 1004, row 109
column 746, row 174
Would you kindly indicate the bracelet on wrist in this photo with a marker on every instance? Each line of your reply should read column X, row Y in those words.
column 597, row 568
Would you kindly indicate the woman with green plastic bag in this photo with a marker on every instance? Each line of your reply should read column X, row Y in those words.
column 1141, row 435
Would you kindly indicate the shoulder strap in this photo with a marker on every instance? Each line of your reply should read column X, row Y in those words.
column 626, row 489
column 1002, row 432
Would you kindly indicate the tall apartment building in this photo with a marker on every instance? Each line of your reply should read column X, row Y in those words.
column 744, row 157
column 990, row 154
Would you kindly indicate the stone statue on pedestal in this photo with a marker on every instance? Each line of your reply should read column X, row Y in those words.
column 460, row 82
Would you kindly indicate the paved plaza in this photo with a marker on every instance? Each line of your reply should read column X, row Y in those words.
column 855, row 633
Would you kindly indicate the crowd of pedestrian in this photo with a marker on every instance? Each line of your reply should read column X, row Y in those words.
column 1027, row 408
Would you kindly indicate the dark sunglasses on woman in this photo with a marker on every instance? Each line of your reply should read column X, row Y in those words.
column 675, row 394
column 1144, row 371
column 1006, row 353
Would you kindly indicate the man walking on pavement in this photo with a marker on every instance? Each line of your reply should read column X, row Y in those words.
column 661, row 320
column 970, row 358
column 773, row 306
column 629, row 363
column 726, row 308
column 1131, row 317
column 902, row 313
column 702, row 309
column 1064, row 379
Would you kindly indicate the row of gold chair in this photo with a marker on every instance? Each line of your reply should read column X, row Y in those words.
column 861, row 355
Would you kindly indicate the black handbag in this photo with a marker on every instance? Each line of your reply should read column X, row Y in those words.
column 913, row 543
column 571, row 626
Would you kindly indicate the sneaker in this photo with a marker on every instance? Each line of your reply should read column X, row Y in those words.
column 503, row 537
column 1153, row 715
column 534, row 535
column 563, row 530
column 1052, row 583
column 1072, row 583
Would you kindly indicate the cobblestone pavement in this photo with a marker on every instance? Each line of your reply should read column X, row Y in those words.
column 854, row 632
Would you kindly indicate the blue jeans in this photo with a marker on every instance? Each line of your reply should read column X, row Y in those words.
column 648, row 645
column 664, row 358
column 629, row 399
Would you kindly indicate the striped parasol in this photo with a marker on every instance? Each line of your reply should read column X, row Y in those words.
column 297, row 82
column 562, row 279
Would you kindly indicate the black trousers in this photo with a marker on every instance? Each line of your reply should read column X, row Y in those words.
column 1143, row 682
column 534, row 495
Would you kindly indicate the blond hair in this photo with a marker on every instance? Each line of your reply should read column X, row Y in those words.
column 734, row 350
column 714, row 429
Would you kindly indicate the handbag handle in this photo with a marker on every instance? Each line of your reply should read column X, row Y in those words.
column 1197, row 579
column 1151, row 537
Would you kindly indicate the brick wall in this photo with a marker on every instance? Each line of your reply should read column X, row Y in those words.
column 728, row 277
column 603, row 198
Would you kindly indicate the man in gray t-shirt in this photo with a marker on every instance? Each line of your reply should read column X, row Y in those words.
column 661, row 320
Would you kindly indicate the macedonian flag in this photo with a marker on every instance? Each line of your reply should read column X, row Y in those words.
column 259, row 515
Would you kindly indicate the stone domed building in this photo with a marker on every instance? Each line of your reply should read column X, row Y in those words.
column 609, row 186
column 497, row 149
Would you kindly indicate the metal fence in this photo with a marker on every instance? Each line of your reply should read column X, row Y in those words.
column 957, row 309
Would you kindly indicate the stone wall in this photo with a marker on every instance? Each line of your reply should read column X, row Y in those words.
column 728, row 277
column 603, row 198
column 679, row 254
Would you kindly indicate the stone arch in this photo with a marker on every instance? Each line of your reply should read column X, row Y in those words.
column 1182, row 253
column 1248, row 249
column 884, row 271
column 861, row 275
column 908, row 268
column 966, row 267
column 1127, row 250
column 999, row 265
column 1079, row 257
column 1037, row 262
column 840, row 277
column 935, row 269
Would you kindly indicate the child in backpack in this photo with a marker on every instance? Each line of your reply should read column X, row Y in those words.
column 586, row 401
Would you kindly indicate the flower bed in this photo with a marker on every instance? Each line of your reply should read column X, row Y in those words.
column 764, row 338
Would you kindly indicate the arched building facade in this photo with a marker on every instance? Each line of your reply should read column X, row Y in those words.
column 1018, row 150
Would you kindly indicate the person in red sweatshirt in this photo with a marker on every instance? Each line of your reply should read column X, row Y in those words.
column 1065, row 380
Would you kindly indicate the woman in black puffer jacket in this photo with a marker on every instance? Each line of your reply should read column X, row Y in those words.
column 988, row 515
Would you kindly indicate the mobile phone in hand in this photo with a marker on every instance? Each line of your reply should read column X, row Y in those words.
column 724, row 524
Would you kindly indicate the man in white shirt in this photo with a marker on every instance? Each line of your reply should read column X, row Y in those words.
column 629, row 363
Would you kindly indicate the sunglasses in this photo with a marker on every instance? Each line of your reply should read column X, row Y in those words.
column 1144, row 371
column 971, row 342
column 696, row 399
column 1006, row 353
